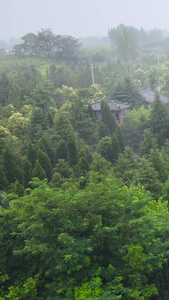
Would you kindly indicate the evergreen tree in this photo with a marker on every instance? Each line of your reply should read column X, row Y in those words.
column 26, row 171
column 38, row 123
column 46, row 147
column 159, row 164
column 147, row 176
column 83, row 165
column 104, row 148
column 90, row 112
column 45, row 163
column 3, row 180
column 115, row 148
column 18, row 188
column 107, row 117
column 72, row 152
column 103, row 129
column 38, row 171
column 31, row 154
column 127, row 92
column 63, row 168
column 120, row 137
column 61, row 150
column 159, row 121
column 148, row 142
column 10, row 169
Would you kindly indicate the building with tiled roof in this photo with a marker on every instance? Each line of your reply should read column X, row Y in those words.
column 117, row 108
column 149, row 96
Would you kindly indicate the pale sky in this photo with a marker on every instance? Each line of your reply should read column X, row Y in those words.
column 80, row 17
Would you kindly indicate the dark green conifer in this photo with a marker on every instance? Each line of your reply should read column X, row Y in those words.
column 120, row 137
column 38, row 171
column 103, row 129
column 26, row 171
column 147, row 143
column 31, row 154
column 159, row 164
column 61, row 150
column 45, row 163
column 45, row 146
column 83, row 165
column 104, row 148
column 10, row 169
column 107, row 117
column 115, row 148
column 90, row 112
column 18, row 188
column 72, row 152
column 63, row 168
column 3, row 180
column 159, row 121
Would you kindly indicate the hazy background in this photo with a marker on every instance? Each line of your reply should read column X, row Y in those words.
column 80, row 17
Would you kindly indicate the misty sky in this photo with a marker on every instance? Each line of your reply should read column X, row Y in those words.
column 80, row 17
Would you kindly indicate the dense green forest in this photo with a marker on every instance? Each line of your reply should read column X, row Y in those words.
column 84, row 202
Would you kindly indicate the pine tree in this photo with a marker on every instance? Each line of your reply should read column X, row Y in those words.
column 38, row 171
column 148, row 142
column 45, row 146
column 107, row 117
column 159, row 164
column 10, row 169
column 72, row 152
column 83, row 165
column 18, row 188
column 159, row 121
column 104, row 148
column 26, row 171
column 3, row 180
column 45, row 163
column 120, row 137
column 31, row 154
column 103, row 129
column 115, row 148
column 61, row 150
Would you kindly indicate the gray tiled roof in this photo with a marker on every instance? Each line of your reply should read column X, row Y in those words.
column 113, row 104
column 150, row 96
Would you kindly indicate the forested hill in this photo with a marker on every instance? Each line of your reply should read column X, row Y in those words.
column 83, row 201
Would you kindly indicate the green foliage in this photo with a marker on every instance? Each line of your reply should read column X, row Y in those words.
column 159, row 121
column 125, row 165
column 100, row 164
column 104, row 148
column 94, row 231
column 126, row 44
column 3, row 180
column 115, row 148
column 127, row 91
column 72, row 152
column 31, row 154
column 90, row 290
column 147, row 143
column 61, row 150
column 46, row 44
column 120, row 137
column 63, row 168
column 103, row 242
column 9, row 165
column 38, row 171
column 45, row 163
column 147, row 176
column 107, row 117
column 26, row 171
column 134, row 123
column 82, row 165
